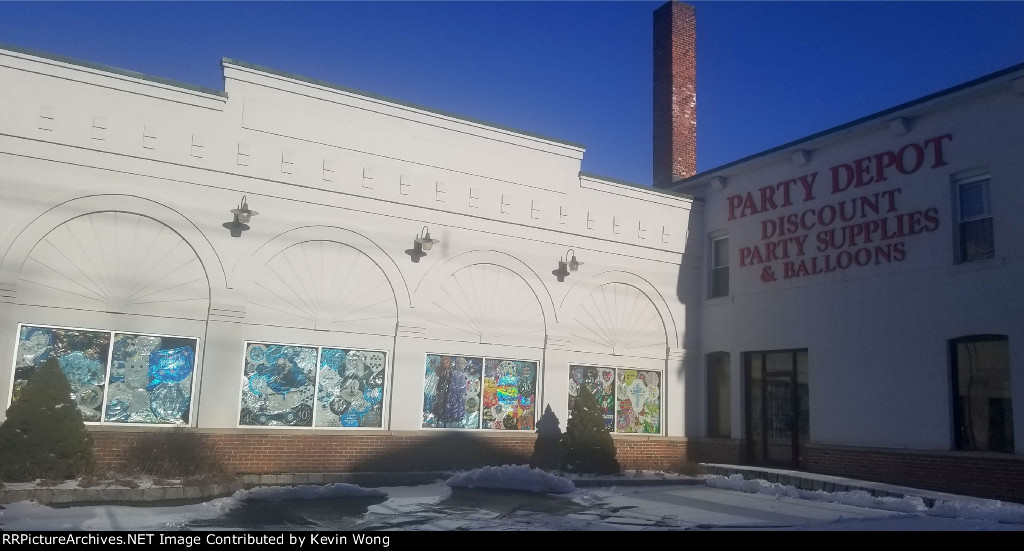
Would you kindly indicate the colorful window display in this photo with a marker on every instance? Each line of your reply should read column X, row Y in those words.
column 479, row 393
column 115, row 377
column 600, row 381
column 350, row 389
column 629, row 398
column 308, row 386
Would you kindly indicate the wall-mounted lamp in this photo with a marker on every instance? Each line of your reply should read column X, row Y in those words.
column 242, row 213
column 242, row 217
column 421, row 244
column 564, row 267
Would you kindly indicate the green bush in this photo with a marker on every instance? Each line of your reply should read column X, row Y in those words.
column 44, row 435
column 588, row 445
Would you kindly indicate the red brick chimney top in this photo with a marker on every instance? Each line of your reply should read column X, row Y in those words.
column 675, row 93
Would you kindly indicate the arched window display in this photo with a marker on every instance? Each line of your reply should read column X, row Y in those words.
column 310, row 386
column 114, row 377
column 630, row 398
column 479, row 393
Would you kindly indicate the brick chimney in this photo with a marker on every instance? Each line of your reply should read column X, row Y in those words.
column 675, row 93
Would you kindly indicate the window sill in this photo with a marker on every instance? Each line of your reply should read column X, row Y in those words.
column 973, row 266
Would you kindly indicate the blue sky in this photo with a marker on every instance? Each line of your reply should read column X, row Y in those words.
column 768, row 72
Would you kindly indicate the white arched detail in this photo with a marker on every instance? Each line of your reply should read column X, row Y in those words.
column 324, row 285
column 619, row 319
column 36, row 225
column 243, row 273
column 485, row 297
column 115, row 262
column 487, row 303
column 619, row 313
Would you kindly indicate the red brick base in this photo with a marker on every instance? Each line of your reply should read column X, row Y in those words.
column 982, row 474
column 289, row 451
column 987, row 475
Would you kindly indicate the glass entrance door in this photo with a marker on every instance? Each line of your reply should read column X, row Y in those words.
column 777, row 414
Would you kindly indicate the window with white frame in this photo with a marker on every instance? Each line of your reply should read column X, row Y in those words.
column 719, row 267
column 473, row 392
column 974, row 235
column 312, row 386
column 630, row 399
column 115, row 377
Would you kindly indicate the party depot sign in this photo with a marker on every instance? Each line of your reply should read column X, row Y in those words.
column 859, row 220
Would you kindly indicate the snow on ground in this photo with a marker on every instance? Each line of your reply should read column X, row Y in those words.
column 607, row 507
column 974, row 509
column 513, row 477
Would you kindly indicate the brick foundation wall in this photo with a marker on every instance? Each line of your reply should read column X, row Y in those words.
column 716, row 450
column 981, row 474
column 987, row 475
column 289, row 451
column 654, row 453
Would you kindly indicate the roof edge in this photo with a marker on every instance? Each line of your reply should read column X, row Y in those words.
column 113, row 70
column 340, row 88
column 641, row 187
column 880, row 114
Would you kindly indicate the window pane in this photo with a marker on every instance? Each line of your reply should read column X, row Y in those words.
column 779, row 362
column 451, row 392
column 983, row 410
column 600, row 381
column 718, row 397
column 150, row 379
column 509, row 391
column 278, row 385
column 803, row 397
column 720, row 253
column 82, row 356
column 720, row 282
column 755, row 414
column 350, row 388
column 973, row 200
column 638, row 401
column 977, row 241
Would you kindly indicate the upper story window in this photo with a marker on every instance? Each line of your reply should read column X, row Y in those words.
column 719, row 267
column 975, row 240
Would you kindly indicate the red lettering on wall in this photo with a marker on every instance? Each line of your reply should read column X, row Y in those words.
column 863, row 230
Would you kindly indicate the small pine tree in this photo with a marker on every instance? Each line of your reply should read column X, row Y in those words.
column 548, row 453
column 589, row 447
column 44, row 435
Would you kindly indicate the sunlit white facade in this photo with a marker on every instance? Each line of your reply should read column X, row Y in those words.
column 254, row 264
column 120, row 256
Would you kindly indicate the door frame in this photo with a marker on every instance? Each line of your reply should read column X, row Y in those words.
column 757, row 444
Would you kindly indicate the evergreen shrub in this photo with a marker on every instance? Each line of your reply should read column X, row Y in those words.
column 548, row 451
column 589, row 448
column 44, row 436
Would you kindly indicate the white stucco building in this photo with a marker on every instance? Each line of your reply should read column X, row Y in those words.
column 122, row 258
column 849, row 303
column 862, row 311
